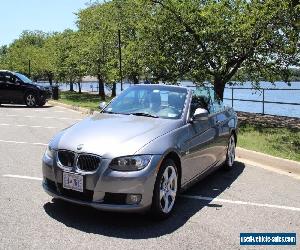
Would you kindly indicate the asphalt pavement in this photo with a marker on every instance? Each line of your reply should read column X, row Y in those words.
column 210, row 215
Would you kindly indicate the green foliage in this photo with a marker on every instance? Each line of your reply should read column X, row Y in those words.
column 280, row 142
column 216, row 39
column 28, row 47
column 167, row 40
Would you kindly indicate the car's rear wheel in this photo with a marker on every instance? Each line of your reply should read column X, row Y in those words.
column 165, row 190
column 230, row 156
column 30, row 100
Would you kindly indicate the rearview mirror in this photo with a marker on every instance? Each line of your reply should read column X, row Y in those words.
column 102, row 105
column 200, row 115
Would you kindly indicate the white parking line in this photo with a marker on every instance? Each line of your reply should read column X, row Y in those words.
column 34, row 110
column 23, row 142
column 240, row 202
column 22, row 177
column 196, row 197
column 24, row 125
column 44, row 117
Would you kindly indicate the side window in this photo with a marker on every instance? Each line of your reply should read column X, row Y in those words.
column 200, row 99
column 2, row 78
column 217, row 106
column 8, row 78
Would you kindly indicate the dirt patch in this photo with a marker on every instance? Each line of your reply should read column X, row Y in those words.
column 270, row 121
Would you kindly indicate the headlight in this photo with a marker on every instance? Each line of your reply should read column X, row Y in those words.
column 49, row 152
column 130, row 163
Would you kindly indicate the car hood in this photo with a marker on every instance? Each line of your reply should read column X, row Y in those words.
column 45, row 87
column 113, row 135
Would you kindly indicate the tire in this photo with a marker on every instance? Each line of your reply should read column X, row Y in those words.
column 165, row 190
column 41, row 104
column 230, row 154
column 30, row 100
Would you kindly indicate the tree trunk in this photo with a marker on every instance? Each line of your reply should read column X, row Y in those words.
column 79, row 87
column 101, row 88
column 219, row 86
column 50, row 78
column 135, row 79
column 71, row 87
column 114, row 90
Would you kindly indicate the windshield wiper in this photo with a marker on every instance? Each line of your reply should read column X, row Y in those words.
column 109, row 112
column 144, row 114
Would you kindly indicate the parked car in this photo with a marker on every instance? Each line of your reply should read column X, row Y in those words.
column 19, row 89
column 145, row 146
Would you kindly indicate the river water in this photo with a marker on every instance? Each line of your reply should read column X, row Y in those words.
column 278, row 92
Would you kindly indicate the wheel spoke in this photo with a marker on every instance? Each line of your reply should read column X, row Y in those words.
column 165, row 176
column 161, row 193
column 172, row 193
column 172, row 177
column 166, row 201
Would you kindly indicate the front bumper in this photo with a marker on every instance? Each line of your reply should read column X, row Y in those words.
column 45, row 95
column 103, row 183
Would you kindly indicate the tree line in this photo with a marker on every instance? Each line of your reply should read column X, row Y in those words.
column 214, row 41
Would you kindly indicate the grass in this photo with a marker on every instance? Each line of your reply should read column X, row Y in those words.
column 280, row 142
column 85, row 100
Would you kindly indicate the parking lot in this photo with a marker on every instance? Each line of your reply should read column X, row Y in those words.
column 210, row 215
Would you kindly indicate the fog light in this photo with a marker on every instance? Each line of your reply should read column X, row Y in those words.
column 133, row 199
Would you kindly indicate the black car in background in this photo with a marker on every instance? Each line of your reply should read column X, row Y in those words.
column 19, row 89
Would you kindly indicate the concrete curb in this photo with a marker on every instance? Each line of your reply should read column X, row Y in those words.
column 284, row 166
column 75, row 108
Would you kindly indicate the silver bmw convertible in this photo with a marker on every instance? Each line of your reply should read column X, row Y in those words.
column 141, row 150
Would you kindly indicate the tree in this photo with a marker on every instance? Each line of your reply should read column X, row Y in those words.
column 29, row 47
column 65, row 54
column 214, row 40
column 99, row 38
column 3, row 56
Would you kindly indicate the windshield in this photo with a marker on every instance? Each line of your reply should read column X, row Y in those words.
column 23, row 78
column 152, row 101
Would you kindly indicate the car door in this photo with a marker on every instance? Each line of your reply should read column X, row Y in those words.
column 222, row 128
column 13, row 89
column 202, row 153
column 2, row 87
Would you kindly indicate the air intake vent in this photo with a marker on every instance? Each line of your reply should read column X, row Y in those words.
column 87, row 162
column 66, row 158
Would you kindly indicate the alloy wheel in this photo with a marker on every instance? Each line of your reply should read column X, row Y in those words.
column 30, row 100
column 168, row 189
column 231, row 151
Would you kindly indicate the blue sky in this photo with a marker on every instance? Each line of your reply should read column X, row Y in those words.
column 45, row 15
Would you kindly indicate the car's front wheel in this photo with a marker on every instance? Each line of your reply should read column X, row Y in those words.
column 230, row 156
column 30, row 100
column 165, row 190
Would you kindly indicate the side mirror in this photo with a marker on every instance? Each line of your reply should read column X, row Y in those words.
column 200, row 115
column 102, row 105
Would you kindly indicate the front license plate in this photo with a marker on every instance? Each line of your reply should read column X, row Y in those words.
column 73, row 181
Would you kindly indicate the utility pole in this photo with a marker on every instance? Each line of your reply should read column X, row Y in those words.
column 120, row 59
column 29, row 68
